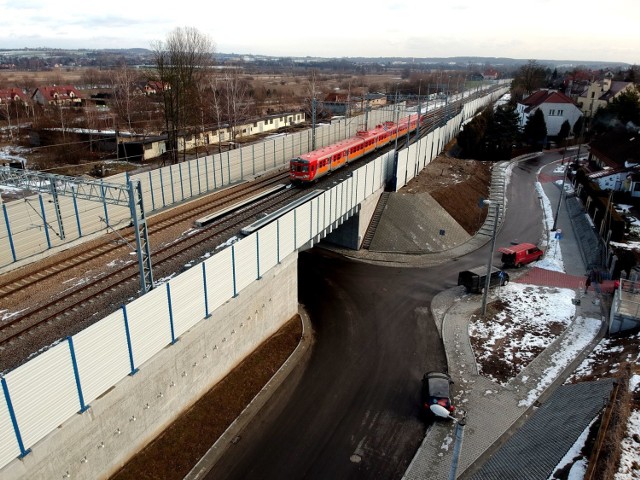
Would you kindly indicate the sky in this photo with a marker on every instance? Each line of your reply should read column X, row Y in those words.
column 538, row 29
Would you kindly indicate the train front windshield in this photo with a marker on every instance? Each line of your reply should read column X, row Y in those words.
column 299, row 166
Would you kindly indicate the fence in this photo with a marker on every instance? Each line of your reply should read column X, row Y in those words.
column 41, row 394
column 33, row 226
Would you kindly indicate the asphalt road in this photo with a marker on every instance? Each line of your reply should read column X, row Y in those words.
column 351, row 409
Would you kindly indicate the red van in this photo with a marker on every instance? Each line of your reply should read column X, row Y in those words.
column 521, row 254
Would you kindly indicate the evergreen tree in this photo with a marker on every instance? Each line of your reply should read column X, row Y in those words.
column 565, row 130
column 471, row 137
column 577, row 127
column 535, row 131
column 623, row 109
column 491, row 135
column 501, row 134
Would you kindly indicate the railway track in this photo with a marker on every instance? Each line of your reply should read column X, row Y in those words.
column 156, row 224
column 168, row 257
column 79, row 306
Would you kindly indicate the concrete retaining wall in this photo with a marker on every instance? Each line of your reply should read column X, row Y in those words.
column 96, row 443
column 351, row 233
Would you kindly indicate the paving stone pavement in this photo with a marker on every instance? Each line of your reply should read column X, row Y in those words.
column 495, row 412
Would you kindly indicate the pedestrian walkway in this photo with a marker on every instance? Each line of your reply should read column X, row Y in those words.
column 493, row 411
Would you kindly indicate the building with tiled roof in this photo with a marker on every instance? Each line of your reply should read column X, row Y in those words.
column 153, row 87
column 57, row 95
column 556, row 107
column 614, row 161
column 490, row 74
column 8, row 95
column 600, row 93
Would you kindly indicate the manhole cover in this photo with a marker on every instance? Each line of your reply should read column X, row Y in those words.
column 356, row 458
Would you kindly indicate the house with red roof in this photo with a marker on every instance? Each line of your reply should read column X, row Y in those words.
column 153, row 87
column 556, row 107
column 490, row 74
column 8, row 95
column 57, row 95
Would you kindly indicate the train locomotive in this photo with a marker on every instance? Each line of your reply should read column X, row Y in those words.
column 311, row 166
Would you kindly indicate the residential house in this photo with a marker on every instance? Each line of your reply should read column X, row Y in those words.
column 344, row 104
column 614, row 162
column 556, row 107
column 490, row 74
column 576, row 83
column 270, row 123
column 8, row 95
column 600, row 93
column 153, row 87
column 141, row 148
column 137, row 148
column 57, row 95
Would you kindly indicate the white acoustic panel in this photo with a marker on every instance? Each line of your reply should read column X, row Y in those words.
column 149, row 324
column 187, row 299
column 191, row 174
column 323, row 211
column 218, row 170
column 43, row 393
column 155, row 190
column 181, row 181
column 303, row 224
column 219, row 279
column 145, row 180
column 102, row 355
column 288, row 148
column 378, row 173
column 199, row 170
column 234, row 171
column 341, row 201
column 330, row 206
column 412, row 161
column 286, row 226
column 267, row 238
column 401, row 172
column 314, row 215
column 246, row 261
column 9, row 448
column 206, row 173
column 428, row 150
column 370, row 182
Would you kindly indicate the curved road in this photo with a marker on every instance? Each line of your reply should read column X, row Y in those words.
column 351, row 409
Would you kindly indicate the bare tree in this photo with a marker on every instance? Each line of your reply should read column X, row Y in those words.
column 216, row 106
column 127, row 95
column 237, row 101
column 181, row 63
column 529, row 77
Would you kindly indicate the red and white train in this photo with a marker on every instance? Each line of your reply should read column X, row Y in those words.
column 318, row 163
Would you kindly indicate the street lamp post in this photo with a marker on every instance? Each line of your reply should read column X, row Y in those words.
column 397, row 114
column 440, row 411
column 490, row 261
column 460, row 424
column 564, row 179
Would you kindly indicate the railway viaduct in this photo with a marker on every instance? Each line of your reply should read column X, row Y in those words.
column 85, row 406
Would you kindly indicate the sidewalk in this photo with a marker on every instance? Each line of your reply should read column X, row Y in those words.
column 495, row 412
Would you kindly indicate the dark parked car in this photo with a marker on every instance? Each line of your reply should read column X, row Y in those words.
column 436, row 389
column 475, row 279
